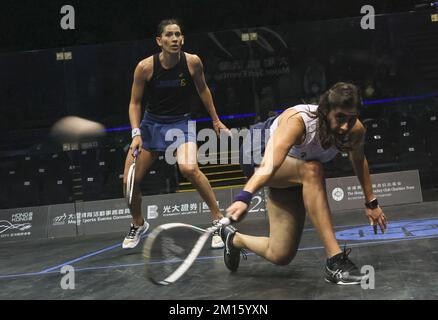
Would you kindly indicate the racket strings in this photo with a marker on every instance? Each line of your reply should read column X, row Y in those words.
column 172, row 248
column 175, row 249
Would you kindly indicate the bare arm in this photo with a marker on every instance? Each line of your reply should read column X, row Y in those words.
column 201, row 86
column 137, row 93
column 142, row 73
column 289, row 132
column 359, row 161
column 360, row 166
column 197, row 71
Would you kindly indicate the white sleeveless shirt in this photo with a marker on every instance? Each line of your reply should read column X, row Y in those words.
column 311, row 148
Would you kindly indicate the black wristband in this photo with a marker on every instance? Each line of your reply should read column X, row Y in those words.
column 373, row 204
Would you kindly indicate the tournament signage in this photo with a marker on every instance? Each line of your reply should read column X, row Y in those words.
column 23, row 223
column 389, row 188
column 107, row 216
column 61, row 221
column 114, row 215
column 96, row 217
column 102, row 216
column 186, row 207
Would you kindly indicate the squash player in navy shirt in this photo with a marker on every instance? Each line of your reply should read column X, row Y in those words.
column 170, row 79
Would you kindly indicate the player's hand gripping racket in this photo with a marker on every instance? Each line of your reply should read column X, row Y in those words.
column 171, row 249
column 130, row 182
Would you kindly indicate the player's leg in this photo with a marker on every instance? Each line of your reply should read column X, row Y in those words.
column 286, row 220
column 188, row 166
column 339, row 268
column 139, row 226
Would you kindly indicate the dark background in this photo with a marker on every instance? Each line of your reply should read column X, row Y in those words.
column 34, row 24
column 303, row 48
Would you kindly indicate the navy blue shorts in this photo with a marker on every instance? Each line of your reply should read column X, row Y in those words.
column 155, row 127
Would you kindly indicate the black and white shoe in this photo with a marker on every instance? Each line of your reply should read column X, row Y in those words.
column 231, row 253
column 134, row 235
column 342, row 271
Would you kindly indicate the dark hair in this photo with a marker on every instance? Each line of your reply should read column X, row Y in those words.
column 342, row 95
column 164, row 23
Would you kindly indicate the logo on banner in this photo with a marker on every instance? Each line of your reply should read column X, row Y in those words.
column 59, row 220
column 64, row 219
column 152, row 212
column 22, row 217
column 395, row 187
column 6, row 225
column 185, row 209
column 18, row 225
column 338, row 194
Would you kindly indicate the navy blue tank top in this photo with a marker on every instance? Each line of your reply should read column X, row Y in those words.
column 171, row 90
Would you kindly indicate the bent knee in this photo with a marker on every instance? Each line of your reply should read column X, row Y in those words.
column 189, row 171
column 283, row 259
